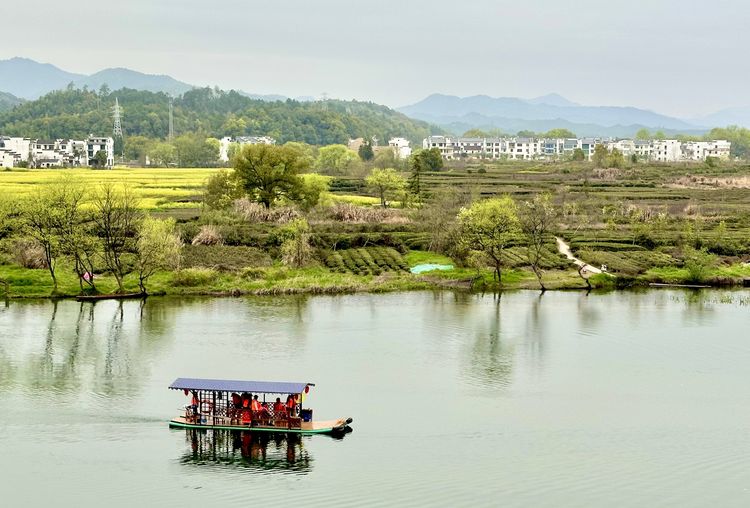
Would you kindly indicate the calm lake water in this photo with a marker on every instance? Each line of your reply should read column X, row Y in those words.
column 621, row 399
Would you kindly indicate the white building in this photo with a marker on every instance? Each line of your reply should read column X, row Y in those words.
column 669, row 150
column 14, row 151
column 96, row 144
column 400, row 147
column 224, row 144
column 700, row 150
column 666, row 150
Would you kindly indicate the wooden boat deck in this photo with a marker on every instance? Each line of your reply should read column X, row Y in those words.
column 315, row 427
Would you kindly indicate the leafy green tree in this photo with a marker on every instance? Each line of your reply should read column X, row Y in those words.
column 659, row 135
column 526, row 134
column 234, row 126
column 537, row 219
column 600, row 156
column 643, row 134
column 100, row 159
column 489, row 226
column 221, row 190
column 365, row 152
column 615, row 159
column 738, row 136
column 578, row 155
column 385, row 183
column 313, row 188
column 137, row 148
column 336, row 159
column 559, row 133
column 269, row 172
column 162, row 154
column 196, row 151
column 158, row 247
column 427, row 160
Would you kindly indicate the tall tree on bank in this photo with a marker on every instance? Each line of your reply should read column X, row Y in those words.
column 117, row 218
column 489, row 226
column 269, row 172
column 385, row 182
column 537, row 218
column 158, row 246
column 40, row 219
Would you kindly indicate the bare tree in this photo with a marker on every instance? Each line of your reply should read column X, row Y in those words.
column 117, row 217
column 40, row 219
column 537, row 218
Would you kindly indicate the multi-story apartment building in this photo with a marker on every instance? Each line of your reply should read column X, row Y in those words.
column 540, row 148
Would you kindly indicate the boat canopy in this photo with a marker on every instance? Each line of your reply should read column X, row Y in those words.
column 222, row 385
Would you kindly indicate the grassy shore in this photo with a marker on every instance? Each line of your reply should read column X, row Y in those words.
column 642, row 221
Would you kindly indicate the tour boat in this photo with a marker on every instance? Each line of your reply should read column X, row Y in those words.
column 262, row 406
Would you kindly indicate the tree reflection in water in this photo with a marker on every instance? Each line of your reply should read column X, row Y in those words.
column 491, row 357
column 83, row 347
column 263, row 452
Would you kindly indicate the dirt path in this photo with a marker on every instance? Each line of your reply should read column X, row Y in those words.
column 564, row 249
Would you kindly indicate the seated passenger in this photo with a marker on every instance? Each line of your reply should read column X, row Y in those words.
column 278, row 407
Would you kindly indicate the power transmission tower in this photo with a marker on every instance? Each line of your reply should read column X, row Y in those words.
column 116, row 111
column 117, row 129
column 171, row 120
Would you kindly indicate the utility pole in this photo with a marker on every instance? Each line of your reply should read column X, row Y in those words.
column 171, row 120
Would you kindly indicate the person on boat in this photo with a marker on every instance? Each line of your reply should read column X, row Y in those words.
column 291, row 405
column 255, row 404
column 194, row 404
column 278, row 407
column 236, row 400
column 246, row 400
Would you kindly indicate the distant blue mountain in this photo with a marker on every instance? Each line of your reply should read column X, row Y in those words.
column 28, row 79
column 447, row 109
column 126, row 78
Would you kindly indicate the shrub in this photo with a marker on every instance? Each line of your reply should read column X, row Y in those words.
column 255, row 212
column 254, row 273
column 29, row 254
column 208, row 235
column 192, row 277
column 698, row 263
column 347, row 212
column 223, row 257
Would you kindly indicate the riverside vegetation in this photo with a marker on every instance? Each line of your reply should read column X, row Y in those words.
column 270, row 225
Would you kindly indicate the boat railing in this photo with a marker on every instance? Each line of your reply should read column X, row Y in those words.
column 230, row 416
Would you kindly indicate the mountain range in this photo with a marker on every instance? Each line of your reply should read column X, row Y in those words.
column 24, row 79
column 29, row 80
column 540, row 114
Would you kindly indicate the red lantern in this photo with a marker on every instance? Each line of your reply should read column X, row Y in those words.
column 186, row 392
column 307, row 389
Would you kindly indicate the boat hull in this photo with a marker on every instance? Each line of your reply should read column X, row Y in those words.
column 322, row 427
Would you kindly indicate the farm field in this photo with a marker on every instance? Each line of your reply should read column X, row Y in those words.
column 157, row 188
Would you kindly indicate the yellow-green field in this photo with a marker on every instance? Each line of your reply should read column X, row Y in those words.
column 157, row 188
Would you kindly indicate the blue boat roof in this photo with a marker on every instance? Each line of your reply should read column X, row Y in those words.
column 223, row 385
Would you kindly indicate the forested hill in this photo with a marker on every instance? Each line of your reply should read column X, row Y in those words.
column 74, row 113
column 8, row 101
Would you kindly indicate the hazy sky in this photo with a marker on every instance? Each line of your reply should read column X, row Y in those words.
column 678, row 57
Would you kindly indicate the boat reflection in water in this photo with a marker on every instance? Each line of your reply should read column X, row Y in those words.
column 267, row 453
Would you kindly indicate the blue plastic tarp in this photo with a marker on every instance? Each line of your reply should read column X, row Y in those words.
column 223, row 385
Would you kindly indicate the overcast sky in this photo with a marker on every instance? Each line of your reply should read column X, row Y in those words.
column 678, row 57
